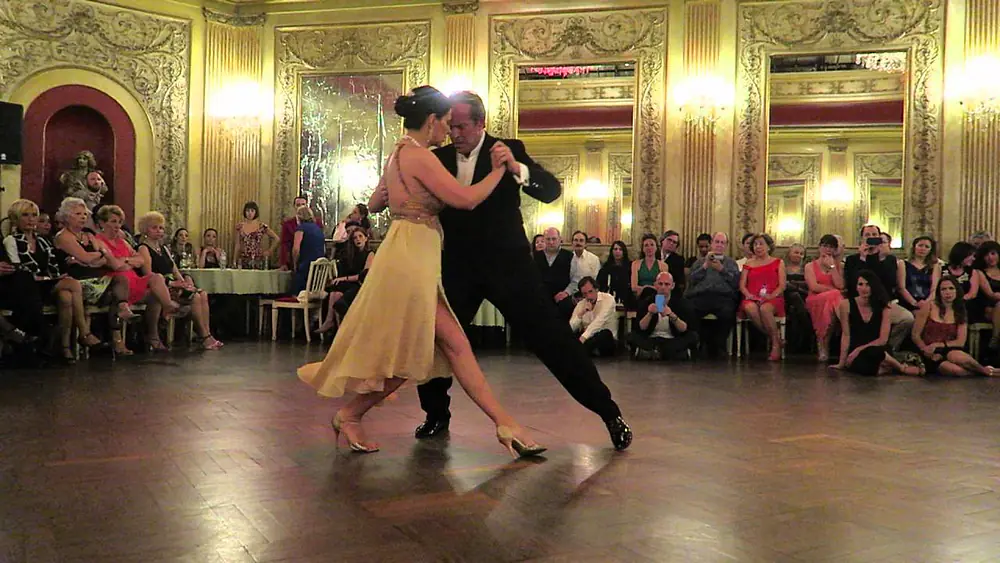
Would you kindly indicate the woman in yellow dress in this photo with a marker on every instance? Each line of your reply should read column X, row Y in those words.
column 401, row 316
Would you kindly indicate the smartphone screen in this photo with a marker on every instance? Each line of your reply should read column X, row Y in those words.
column 661, row 300
column 873, row 241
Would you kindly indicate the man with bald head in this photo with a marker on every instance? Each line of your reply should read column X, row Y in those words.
column 487, row 256
column 554, row 265
column 667, row 324
column 713, row 289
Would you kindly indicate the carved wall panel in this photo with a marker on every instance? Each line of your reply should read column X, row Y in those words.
column 801, row 167
column 587, row 38
column 384, row 47
column 577, row 93
column 870, row 166
column 827, row 26
column 150, row 55
column 843, row 86
column 566, row 168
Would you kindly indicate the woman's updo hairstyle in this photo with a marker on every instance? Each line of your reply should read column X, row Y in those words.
column 422, row 102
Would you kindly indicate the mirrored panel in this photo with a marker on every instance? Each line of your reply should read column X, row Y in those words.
column 835, row 145
column 577, row 122
column 347, row 128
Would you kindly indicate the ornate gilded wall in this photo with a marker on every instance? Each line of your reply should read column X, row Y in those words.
column 148, row 54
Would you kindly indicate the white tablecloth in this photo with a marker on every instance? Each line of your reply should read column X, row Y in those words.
column 242, row 282
column 488, row 315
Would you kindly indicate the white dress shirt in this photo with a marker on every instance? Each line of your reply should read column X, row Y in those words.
column 467, row 166
column 586, row 264
column 595, row 317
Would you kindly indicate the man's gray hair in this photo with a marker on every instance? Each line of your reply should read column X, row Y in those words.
column 477, row 110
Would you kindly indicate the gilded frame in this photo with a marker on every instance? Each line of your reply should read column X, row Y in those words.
column 364, row 48
column 822, row 26
column 615, row 35
column 805, row 167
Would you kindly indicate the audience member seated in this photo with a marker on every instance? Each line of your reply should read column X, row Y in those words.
column 110, row 219
column 918, row 277
column 251, row 254
column 35, row 255
column 799, row 327
column 308, row 246
column 825, row 280
column 181, row 248
column 645, row 269
column 538, row 243
column 864, row 324
column 553, row 266
column 358, row 217
column 352, row 268
column 44, row 228
column 20, row 296
column 615, row 275
column 746, row 252
column 960, row 260
column 669, row 243
column 158, row 259
column 704, row 242
column 713, row 289
column 584, row 264
column 762, row 284
column 940, row 331
column 595, row 319
column 666, row 325
column 872, row 256
column 211, row 256
column 88, row 260
column 977, row 238
column 987, row 258
column 288, row 229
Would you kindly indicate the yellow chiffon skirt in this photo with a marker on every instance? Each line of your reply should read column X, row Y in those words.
column 389, row 329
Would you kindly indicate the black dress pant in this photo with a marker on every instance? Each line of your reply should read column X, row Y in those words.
column 724, row 309
column 510, row 281
column 601, row 342
column 669, row 348
column 868, row 361
column 21, row 295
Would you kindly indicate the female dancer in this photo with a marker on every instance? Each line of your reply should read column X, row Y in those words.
column 401, row 314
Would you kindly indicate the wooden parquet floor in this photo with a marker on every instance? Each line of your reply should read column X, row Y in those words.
column 226, row 457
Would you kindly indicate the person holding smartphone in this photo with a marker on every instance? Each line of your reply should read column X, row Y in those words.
column 886, row 268
column 666, row 326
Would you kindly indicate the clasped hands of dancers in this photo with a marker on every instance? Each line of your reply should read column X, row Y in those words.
column 468, row 193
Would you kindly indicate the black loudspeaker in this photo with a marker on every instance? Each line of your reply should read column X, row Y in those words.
column 11, row 116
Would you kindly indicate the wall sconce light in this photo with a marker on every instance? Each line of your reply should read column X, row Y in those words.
column 836, row 192
column 457, row 83
column 703, row 99
column 978, row 88
column 592, row 191
column 237, row 107
column 550, row 219
column 789, row 225
column 626, row 219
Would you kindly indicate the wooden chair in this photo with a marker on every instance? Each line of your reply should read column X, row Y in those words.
column 743, row 334
column 321, row 272
column 975, row 330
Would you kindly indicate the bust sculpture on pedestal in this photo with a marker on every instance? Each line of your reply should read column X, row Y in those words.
column 84, row 180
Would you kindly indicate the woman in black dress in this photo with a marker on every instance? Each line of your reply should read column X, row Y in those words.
column 352, row 267
column 864, row 322
column 615, row 276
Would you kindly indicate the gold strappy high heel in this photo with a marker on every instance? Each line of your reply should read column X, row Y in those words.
column 358, row 447
column 515, row 446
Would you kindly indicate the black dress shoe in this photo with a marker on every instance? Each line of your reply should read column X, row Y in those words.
column 432, row 427
column 621, row 434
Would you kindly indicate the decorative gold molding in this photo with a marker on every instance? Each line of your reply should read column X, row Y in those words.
column 594, row 92
column 805, row 167
column 842, row 86
column 868, row 166
column 620, row 166
column 582, row 38
column 566, row 168
column 797, row 26
column 235, row 20
column 363, row 48
column 460, row 6
column 148, row 54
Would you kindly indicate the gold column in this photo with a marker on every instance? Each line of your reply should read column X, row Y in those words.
column 460, row 39
column 232, row 154
column 701, row 58
column 980, row 187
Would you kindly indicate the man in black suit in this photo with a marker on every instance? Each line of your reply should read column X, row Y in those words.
column 553, row 266
column 487, row 256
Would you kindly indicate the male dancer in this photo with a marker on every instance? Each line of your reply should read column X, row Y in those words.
column 486, row 255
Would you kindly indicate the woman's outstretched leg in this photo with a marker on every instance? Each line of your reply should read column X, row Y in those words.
column 453, row 343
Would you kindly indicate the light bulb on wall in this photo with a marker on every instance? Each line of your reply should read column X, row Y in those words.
column 550, row 219
column 238, row 105
column 835, row 192
column 455, row 84
column 978, row 88
column 592, row 191
column 703, row 99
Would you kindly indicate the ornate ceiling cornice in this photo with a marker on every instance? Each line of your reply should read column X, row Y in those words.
column 235, row 20
column 460, row 6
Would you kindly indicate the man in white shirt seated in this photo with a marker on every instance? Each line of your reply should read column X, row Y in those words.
column 595, row 320
column 668, row 329
column 584, row 263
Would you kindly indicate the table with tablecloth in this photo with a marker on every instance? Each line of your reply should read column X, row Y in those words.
column 242, row 284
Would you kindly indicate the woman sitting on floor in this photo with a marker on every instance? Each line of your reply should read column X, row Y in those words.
column 864, row 325
column 34, row 254
column 158, row 260
column 940, row 331
column 353, row 267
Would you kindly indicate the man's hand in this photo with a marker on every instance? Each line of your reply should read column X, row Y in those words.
column 283, row 268
column 504, row 154
column 666, row 312
column 652, row 309
column 560, row 296
column 582, row 339
column 6, row 269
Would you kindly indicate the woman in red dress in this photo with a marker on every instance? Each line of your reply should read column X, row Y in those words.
column 762, row 284
column 110, row 219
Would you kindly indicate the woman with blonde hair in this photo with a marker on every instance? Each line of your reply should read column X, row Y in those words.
column 308, row 245
column 157, row 259
column 32, row 252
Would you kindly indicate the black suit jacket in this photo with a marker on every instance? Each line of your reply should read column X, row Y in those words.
column 496, row 223
column 555, row 278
